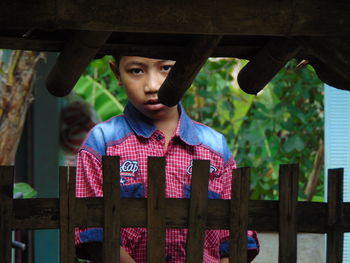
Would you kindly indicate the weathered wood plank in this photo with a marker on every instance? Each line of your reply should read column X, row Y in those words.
column 6, row 202
column 34, row 14
column 239, row 215
column 64, row 214
column 67, row 212
column 335, row 233
column 155, row 50
column 197, row 217
column 263, row 214
column 38, row 213
column 20, row 43
column 187, row 65
column 72, row 212
column 156, row 210
column 239, row 17
column 288, row 197
column 111, row 209
column 169, row 51
column 43, row 213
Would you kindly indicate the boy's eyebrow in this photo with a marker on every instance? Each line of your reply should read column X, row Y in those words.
column 167, row 61
column 136, row 63
column 132, row 63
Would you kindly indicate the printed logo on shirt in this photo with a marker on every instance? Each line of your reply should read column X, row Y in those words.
column 129, row 168
column 212, row 174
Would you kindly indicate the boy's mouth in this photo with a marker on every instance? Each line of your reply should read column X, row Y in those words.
column 152, row 102
column 154, row 105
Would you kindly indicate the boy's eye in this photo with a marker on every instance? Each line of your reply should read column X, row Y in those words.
column 136, row 71
column 166, row 68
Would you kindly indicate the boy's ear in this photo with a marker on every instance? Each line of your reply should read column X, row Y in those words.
column 114, row 67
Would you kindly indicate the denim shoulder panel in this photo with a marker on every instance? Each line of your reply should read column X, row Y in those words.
column 114, row 129
column 213, row 140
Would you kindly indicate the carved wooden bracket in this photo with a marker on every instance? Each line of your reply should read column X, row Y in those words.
column 187, row 65
column 73, row 60
column 267, row 63
column 330, row 57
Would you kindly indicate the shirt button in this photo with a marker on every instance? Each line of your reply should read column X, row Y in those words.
column 159, row 137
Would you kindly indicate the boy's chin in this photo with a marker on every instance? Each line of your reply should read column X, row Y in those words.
column 159, row 115
column 155, row 115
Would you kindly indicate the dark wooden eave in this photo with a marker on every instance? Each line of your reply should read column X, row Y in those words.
column 223, row 17
column 266, row 32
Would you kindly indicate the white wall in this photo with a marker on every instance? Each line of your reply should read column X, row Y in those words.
column 337, row 143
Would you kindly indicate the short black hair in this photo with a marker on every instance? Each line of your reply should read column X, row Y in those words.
column 117, row 58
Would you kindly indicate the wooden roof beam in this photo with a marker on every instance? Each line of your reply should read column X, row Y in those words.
column 222, row 17
column 129, row 49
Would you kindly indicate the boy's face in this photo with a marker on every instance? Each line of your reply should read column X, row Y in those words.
column 141, row 78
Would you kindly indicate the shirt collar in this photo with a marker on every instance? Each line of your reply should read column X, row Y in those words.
column 144, row 127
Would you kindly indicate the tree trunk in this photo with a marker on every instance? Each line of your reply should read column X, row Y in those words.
column 315, row 174
column 15, row 97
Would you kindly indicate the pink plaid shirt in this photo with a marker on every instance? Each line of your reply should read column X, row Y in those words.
column 133, row 138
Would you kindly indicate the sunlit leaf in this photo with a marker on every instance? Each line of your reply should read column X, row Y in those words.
column 106, row 104
column 25, row 189
column 294, row 143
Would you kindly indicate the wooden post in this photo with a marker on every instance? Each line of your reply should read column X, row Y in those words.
column 6, row 206
column 335, row 233
column 186, row 68
column 67, row 211
column 197, row 219
column 288, row 197
column 111, row 202
column 239, row 215
column 156, row 210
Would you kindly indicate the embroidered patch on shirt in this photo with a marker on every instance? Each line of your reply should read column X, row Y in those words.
column 212, row 174
column 122, row 181
column 129, row 168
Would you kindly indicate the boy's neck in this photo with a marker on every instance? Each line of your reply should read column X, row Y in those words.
column 168, row 125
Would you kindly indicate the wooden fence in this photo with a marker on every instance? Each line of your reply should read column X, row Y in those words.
column 286, row 216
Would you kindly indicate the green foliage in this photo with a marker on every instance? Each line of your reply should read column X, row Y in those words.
column 282, row 124
column 25, row 189
column 99, row 87
column 289, row 115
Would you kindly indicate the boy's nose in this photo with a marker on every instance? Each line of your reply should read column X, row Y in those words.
column 154, row 82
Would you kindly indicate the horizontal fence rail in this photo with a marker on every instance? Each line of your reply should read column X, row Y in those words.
column 43, row 213
column 286, row 216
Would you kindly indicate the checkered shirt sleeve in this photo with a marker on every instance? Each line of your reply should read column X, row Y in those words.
column 88, row 180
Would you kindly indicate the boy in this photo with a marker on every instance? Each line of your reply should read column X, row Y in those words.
column 149, row 128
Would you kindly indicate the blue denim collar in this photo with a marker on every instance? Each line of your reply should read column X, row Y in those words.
column 143, row 126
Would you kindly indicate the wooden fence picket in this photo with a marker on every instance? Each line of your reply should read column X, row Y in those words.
column 239, row 215
column 288, row 197
column 197, row 217
column 335, row 234
column 6, row 206
column 286, row 216
column 64, row 214
column 72, row 213
column 156, row 209
column 111, row 208
column 67, row 212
